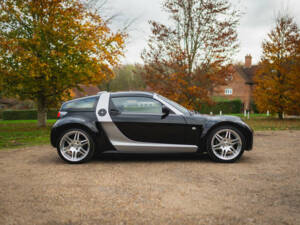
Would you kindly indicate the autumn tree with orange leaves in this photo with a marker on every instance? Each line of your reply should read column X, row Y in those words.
column 48, row 47
column 278, row 78
column 186, row 59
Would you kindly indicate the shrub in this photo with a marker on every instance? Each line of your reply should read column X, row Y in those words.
column 227, row 107
column 26, row 114
column 254, row 107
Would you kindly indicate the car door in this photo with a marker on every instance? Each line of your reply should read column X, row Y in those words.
column 141, row 119
column 134, row 130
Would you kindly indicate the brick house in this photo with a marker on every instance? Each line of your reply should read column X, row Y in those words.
column 86, row 91
column 239, row 83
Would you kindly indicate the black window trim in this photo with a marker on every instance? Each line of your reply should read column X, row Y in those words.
column 112, row 105
column 81, row 109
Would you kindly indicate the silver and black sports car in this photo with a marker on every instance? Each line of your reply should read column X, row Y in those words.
column 144, row 122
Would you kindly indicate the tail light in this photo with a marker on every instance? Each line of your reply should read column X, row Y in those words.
column 61, row 114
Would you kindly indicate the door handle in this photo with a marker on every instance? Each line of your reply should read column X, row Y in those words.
column 114, row 112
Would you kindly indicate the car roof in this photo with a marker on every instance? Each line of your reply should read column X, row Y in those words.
column 131, row 93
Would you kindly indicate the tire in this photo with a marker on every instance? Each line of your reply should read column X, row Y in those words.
column 225, row 144
column 76, row 149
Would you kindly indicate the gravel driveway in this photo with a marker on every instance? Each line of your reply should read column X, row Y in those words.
column 36, row 187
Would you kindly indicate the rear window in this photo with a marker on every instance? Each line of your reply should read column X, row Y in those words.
column 82, row 104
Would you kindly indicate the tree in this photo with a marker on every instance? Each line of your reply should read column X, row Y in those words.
column 127, row 77
column 185, row 60
column 278, row 78
column 48, row 47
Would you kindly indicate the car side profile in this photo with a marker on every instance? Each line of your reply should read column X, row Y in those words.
column 144, row 122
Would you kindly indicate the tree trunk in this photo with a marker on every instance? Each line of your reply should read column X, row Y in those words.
column 41, row 113
column 280, row 115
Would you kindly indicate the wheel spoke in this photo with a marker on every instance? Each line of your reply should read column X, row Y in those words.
column 232, row 149
column 224, row 153
column 227, row 134
column 84, row 142
column 217, row 146
column 82, row 151
column 66, row 149
column 219, row 137
column 76, row 136
column 68, row 139
column 74, row 155
column 235, row 141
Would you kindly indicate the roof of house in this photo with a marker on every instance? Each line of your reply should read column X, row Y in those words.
column 86, row 91
column 247, row 73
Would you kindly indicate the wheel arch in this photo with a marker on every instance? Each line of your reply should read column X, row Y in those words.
column 244, row 130
column 57, row 132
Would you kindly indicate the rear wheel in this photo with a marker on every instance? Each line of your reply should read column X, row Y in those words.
column 225, row 144
column 76, row 146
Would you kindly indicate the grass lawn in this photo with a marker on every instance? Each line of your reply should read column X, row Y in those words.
column 19, row 133
column 273, row 124
column 256, row 115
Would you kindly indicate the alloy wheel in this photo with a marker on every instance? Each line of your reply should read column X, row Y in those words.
column 74, row 146
column 226, row 144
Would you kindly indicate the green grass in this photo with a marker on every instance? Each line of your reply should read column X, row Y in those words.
column 20, row 133
column 264, row 122
column 273, row 124
column 254, row 115
column 23, row 121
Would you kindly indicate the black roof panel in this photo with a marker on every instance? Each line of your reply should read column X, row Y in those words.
column 131, row 93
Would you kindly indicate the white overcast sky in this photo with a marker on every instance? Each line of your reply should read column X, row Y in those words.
column 256, row 22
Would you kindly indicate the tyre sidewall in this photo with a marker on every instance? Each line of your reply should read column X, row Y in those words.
column 210, row 152
column 91, row 151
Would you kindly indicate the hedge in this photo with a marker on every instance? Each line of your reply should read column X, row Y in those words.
column 227, row 107
column 254, row 107
column 26, row 114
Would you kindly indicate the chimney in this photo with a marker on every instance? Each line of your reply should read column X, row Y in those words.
column 248, row 61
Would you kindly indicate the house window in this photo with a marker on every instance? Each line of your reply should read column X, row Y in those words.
column 229, row 77
column 228, row 91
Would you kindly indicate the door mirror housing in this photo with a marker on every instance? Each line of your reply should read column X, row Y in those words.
column 165, row 111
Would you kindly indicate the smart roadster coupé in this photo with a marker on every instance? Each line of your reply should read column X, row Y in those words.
column 144, row 122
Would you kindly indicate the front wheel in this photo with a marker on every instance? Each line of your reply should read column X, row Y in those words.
column 75, row 146
column 225, row 144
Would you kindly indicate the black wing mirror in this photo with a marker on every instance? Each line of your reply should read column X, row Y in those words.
column 165, row 111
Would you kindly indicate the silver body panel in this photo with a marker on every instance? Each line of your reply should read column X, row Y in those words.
column 125, row 145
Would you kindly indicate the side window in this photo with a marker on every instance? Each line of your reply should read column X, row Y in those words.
column 137, row 105
column 81, row 104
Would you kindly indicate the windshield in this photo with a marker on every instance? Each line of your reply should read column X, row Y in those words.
column 176, row 105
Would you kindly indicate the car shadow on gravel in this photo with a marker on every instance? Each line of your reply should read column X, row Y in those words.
column 141, row 158
column 144, row 158
column 115, row 157
column 128, row 158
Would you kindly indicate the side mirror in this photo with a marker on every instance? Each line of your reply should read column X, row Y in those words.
column 165, row 111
